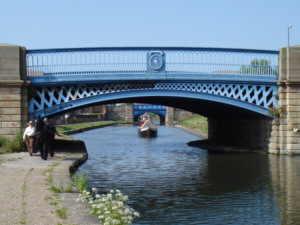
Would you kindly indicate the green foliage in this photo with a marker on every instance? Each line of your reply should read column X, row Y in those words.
column 195, row 122
column 3, row 141
column 61, row 212
column 54, row 189
column 274, row 112
column 80, row 181
column 68, row 127
column 110, row 208
column 259, row 66
column 14, row 145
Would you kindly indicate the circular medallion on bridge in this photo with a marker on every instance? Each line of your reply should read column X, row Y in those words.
column 156, row 61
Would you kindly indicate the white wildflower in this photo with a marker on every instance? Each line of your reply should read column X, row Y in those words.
column 94, row 189
column 127, row 212
column 111, row 191
column 136, row 214
column 109, row 196
column 125, row 198
column 97, row 196
column 115, row 221
column 120, row 204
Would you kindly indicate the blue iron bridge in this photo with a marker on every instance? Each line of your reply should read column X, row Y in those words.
column 141, row 109
column 212, row 82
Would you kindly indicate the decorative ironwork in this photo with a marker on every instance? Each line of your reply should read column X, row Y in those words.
column 63, row 77
column 110, row 61
column 140, row 109
column 48, row 97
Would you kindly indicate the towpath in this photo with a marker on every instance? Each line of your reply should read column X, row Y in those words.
column 25, row 184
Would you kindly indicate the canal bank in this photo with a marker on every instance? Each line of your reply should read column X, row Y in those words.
column 27, row 185
column 34, row 191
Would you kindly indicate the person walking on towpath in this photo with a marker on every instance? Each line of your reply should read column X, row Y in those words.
column 29, row 138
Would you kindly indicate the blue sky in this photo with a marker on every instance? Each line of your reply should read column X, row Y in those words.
column 255, row 24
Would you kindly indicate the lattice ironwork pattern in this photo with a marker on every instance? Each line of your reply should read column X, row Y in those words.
column 47, row 97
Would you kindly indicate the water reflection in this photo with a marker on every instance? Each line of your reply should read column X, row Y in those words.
column 169, row 182
column 285, row 174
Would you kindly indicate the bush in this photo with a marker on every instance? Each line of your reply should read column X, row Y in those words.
column 110, row 208
column 2, row 142
column 14, row 145
column 80, row 181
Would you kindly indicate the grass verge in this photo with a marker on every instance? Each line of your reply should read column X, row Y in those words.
column 62, row 128
column 14, row 145
column 196, row 122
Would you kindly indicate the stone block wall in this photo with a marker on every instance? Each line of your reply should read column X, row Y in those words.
column 116, row 112
column 181, row 114
column 13, row 90
column 175, row 114
column 249, row 134
column 285, row 137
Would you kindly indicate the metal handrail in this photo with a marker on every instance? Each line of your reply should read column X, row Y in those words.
column 133, row 60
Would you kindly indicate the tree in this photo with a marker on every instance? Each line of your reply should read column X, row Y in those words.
column 261, row 66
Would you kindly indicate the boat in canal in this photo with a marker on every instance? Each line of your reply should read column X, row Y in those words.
column 147, row 129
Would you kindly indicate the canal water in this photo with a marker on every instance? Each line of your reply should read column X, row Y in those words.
column 169, row 182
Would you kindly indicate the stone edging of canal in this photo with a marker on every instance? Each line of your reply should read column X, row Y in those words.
column 28, row 184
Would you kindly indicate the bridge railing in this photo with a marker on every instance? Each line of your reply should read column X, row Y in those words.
column 145, row 107
column 98, row 61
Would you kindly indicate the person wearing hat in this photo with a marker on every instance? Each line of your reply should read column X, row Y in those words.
column 29, row 138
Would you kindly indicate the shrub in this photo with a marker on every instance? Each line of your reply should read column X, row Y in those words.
column 2, row 141
column 110, row 208
column 80, row 181
column 14, row 145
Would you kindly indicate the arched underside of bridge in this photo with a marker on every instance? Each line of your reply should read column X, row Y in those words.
column 208, row 105
column 231, row 122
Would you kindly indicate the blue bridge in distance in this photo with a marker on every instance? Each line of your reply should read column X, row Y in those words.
column 141, row 109
column 213, row 82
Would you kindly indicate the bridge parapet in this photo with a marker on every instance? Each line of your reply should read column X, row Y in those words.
column 140, row 109
column 154, row 63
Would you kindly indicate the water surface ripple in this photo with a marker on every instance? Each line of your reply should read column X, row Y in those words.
column 169, row 182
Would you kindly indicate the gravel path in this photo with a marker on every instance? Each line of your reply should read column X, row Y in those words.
column 25, row 196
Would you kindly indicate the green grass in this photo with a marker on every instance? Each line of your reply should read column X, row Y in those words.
column 80, row 181
column 55, row 164
column 61, row 212
column 14, row 145
column 68, row 127
column 196, row 122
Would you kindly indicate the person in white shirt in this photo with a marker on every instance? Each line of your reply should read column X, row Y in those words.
column 29, row 138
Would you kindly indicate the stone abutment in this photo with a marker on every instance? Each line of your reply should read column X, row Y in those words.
column 13, row 90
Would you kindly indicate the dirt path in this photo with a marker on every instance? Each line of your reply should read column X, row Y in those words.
column 25, row 196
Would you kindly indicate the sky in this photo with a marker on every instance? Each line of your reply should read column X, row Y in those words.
column 246, row 24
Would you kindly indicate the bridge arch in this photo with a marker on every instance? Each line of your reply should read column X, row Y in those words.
column 236, row 85
column 207, row 103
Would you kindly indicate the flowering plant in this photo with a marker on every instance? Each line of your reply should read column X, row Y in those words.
column 110, row 208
